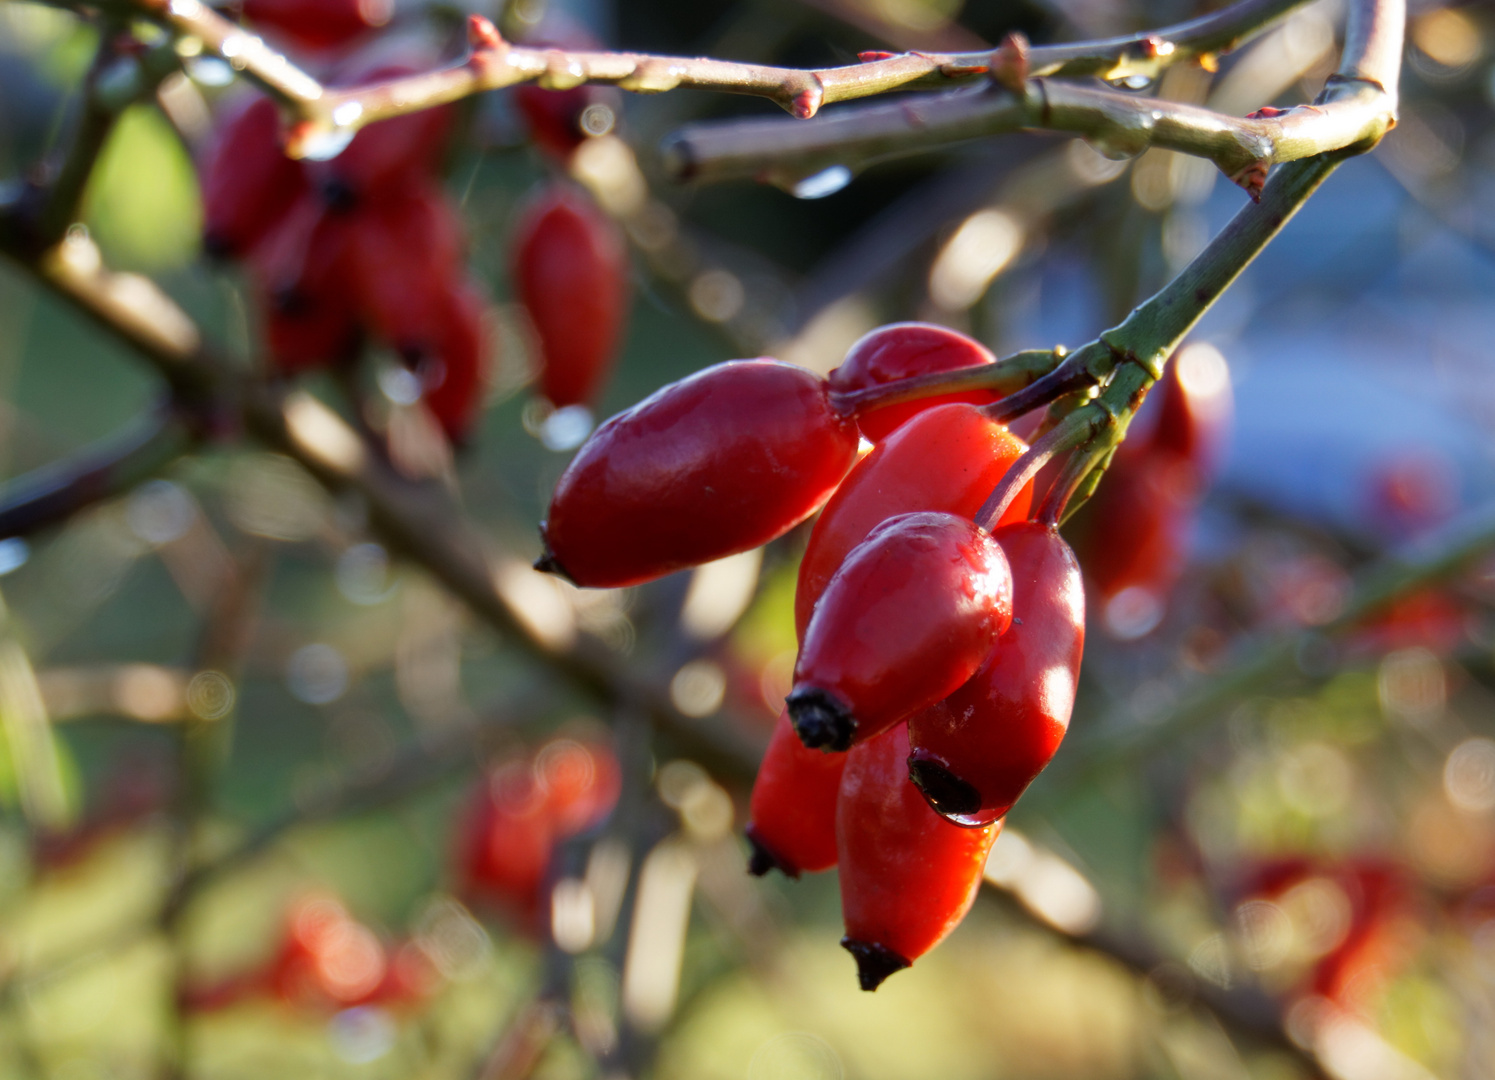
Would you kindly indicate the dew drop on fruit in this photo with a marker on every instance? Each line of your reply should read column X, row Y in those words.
column 819, row 185
column 1136, row 81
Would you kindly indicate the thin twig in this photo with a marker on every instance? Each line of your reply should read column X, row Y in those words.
column 325, row 113
column 109, row 468
column 419, row 521
column 1119, row 124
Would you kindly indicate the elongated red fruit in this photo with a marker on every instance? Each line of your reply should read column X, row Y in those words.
column 571, row 273
column 319, row 24
column 792, row 815
column 946, row 459
column 908, row 876
column 454, row 368
column 718, row 463
column 976, row 751
column 912, row 613
column 248, row 184
column 898, row 351
column 303, row 273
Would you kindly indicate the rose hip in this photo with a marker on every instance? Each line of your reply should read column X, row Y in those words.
column 248, row 184
column 792, row 815
column 571, row 273
column 946, row 459
column 720, row 462
column 908, row 876
column 977, row 750
column 912, row 613
column 898, row 351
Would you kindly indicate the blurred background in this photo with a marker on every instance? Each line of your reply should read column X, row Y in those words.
column 247, row 748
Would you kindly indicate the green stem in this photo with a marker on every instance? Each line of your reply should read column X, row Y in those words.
column 1006, row 376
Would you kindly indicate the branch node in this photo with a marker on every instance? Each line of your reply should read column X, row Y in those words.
column 483, row 36
column 1009, row 62
column 1252, row 177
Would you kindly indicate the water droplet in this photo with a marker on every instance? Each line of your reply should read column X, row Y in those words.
column 825, row 182
column 13, row 554
column 1117, row 147
column 347, row 113
column 400, row 385
column 326, row 145
column 317, row 674
column 567, row 428
column 1135, row 81
column 209, row 71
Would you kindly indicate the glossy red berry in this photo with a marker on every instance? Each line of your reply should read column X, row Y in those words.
column 319, row 24
column 976, row 751
column 570, row 271
column 946, row 459
column 908, row 876
column 718, row 463
column 898, row 351
column 248, row 184
column 913, row 612
column 792, row 814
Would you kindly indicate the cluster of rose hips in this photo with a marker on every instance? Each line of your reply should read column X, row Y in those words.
column 522, row 810
column 938, row 656
column 367, row 245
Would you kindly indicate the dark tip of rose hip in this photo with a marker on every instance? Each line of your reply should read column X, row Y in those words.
column 547, row 563
column 763, row 859
column 338, row 196
column 874, row 962
column 950, row 796
column 820, row 721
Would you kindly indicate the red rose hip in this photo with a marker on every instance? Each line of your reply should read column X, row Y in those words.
column 715, row 464
column 912, row 613
column 901, row 350
column 792, row 815
column 908, row 876
column 571, row 274
column 976, row 751
column 946, row 459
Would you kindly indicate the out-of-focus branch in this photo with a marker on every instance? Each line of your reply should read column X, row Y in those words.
column 1355, row 112
column 327, row 114
column 420, row 521
column 109, row 468
column 1393, row 576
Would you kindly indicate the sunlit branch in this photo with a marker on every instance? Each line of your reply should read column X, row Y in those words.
column 326, row 114
column 1355, row 113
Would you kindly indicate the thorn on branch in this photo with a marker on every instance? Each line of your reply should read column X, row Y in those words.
column 1252, row 177
column 483, row 35
column 1009, row 62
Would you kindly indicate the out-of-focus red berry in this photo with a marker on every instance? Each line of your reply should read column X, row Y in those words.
column 898, row 351
column 319, row 24
column 388, row 154
column 570, row 270
column 248, row 184
column 305, row 281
